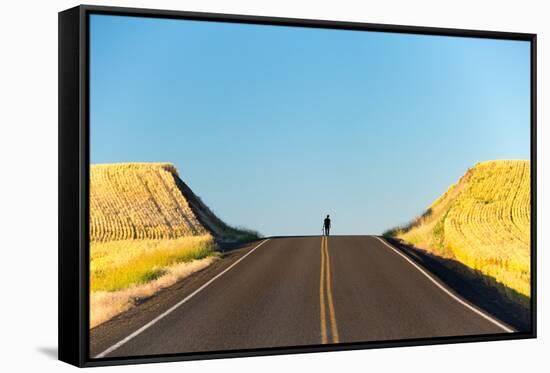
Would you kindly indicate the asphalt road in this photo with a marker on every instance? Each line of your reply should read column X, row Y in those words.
column 292, row 292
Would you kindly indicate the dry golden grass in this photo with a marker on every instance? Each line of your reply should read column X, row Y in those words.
column 483, row 222
column 106, row 304
column 118, row 265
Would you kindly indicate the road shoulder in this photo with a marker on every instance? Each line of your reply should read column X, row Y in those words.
column 467, row 284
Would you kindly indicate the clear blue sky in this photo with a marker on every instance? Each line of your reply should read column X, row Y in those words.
column 275, row 127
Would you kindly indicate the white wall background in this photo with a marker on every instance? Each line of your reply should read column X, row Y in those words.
column 28, row 183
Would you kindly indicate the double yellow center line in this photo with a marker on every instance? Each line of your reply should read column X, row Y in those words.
column 325, row 286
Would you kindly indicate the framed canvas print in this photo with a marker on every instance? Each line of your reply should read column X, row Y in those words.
column 239, row 185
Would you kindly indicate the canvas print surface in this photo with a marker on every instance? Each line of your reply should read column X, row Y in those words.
column 256, row 186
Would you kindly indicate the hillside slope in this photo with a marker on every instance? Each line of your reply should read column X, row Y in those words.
column 148, row 230
column 147, row 201
column 483, row 221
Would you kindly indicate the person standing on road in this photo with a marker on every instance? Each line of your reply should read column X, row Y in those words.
column 326, row 225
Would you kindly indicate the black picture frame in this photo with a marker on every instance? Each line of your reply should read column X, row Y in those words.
column 74, row 180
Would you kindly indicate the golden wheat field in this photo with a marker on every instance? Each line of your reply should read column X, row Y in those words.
column 144, row 234
column 147, row 231
column 139, row 201
column 483, row 221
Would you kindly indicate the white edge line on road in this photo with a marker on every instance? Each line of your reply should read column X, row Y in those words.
column 480, row 313
column 174, row 307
